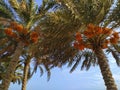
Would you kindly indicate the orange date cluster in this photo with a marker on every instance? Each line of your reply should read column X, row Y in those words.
column 16, row 30
column 95, row 35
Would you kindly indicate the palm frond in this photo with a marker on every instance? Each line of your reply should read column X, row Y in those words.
column 117, row 47
column 46, row 6
column 116, row 56
column 36, row 66
column 48, row 72
column 114, row 17
column 41, row 70
column 88, row 11
column 77, row 62
column 27, row 12
column 60, row 26
column 115, row 51
column 89, row 60
column 58, row 35
column 15, row 4
column 5, row 10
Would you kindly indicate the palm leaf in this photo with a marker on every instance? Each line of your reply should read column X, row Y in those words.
column 89, row 59
column 5, row 10
column 115, row 53
column 77, row 62
column 114, row 17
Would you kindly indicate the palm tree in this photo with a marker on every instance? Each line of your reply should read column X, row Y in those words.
column 20, row 31
column 69, row 17
column 17, row 77
column 94, row 40
column 6, row 50
column 25, row 73
column 37, row 62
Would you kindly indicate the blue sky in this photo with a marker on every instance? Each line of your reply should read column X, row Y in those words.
column 61, row 79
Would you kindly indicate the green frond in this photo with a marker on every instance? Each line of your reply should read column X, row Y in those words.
column 46, row 6
column 17, row 79
column 41, row 70
column 71, row 61
column 89, row 60
column 8, row 48
column 115, row 53
column 27, row 12
column 77, row 62
column 5, row 10
column 48, row 72
column 36, row 66
column 117, row 47
column 117, row 58
column 60, row 26
column 88, row 11
column 30, row 6
column 17, row 76
column 58, row 35
column 15, row 4
column 114, row 17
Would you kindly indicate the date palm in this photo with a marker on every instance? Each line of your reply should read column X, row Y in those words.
column 30, row 69
column 59, row 29
column 17, row 77
column 94, row 40
column 6, row 50
column 20, row 31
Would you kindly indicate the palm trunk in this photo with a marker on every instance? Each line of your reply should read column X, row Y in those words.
column 105, row 70
column 11, row 68
column 25, row 76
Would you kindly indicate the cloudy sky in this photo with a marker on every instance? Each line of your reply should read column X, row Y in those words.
column 61, row 79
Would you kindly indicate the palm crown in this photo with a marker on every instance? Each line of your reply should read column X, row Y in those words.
column 22, row 31
column 62, row 26
column 60, row 29
column 69, row 17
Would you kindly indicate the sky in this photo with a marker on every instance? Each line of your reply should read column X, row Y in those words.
column 61, row 79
